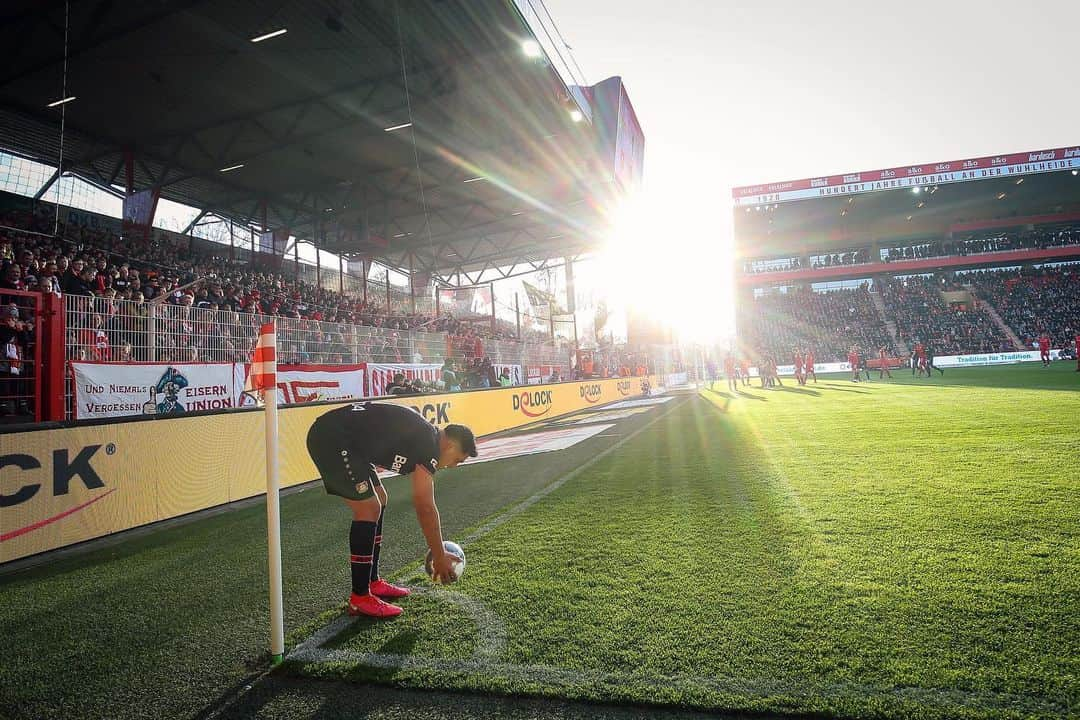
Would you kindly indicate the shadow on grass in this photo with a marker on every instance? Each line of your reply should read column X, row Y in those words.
column 282, row 696
column 751, row 396
column 837, row 388
column 801, row 391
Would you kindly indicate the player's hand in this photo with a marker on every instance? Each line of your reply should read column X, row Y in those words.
column 442, row 566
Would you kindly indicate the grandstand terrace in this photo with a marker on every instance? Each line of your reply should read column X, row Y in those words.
column 966, row 256
column 449, row 146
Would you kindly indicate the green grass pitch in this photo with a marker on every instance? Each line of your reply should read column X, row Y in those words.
column 885, row 549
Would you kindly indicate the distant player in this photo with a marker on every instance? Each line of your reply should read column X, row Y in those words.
column 913, row 360
column 928, row 351
column 729, row 372
column 346, row 445
column 920, row 359
column 883, row 368
column 800, row 378
column 808, row 366
column 853, row 361
column 1077, row 340
column 1044, row 349
column 713, row 371
column 744, row 370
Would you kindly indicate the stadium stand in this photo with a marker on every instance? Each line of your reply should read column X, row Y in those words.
column 1033, row 301
column 828, row 323
column 921, row 314
column 209, row 308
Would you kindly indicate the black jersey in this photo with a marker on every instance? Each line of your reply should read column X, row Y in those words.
column 388, row 436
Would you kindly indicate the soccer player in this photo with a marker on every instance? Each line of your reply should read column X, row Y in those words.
column 920, row 359
column 1077, row 340
column 1044, row 349
column 808, row 365
column 853, row 361
column 744, row 370
column 928, row 351
column 799, row 376
column 913, row 360
column 883, row 369
column 729, row 371
column 346, row 445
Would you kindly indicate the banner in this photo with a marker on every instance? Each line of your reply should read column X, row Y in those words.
column 514, row 371
column 538, row 374
column 71, row 484
column 110, row 390
column 991, row 166
column 139, row 208
column 1002, row 358
column 274, row 242
column 380, row 375
column 310, row 383
column 466, row 303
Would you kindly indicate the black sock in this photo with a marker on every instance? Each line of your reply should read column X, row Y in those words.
column 361, row 547
column 378, row 546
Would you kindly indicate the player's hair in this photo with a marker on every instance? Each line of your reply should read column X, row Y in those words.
column 464, row 438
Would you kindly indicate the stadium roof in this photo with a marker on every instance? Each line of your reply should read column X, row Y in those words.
column 297, row 126
column 898, row 205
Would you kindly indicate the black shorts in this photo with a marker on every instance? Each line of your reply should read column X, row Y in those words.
column 343, row 472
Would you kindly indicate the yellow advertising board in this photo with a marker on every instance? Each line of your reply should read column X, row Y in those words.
column 67, row 485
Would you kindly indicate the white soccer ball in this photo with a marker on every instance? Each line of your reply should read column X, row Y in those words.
column 457, row 567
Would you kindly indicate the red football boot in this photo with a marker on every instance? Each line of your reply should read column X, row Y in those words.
column 385, row 590
column 372, row 606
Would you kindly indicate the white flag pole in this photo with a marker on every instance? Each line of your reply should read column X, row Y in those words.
column 273, row 519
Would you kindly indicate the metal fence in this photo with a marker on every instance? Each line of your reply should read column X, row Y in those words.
column 105, row 330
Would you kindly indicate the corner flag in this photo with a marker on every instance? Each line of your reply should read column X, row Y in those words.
column 262, row 378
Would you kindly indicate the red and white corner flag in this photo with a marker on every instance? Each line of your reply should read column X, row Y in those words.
column 263, row 372
column 262, row 379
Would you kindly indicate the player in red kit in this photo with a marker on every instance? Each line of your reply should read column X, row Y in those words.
column 1044, row 349
column 1077, row 352
column 883, row 369
column 799, row 376
column 729, row 371
column 808, row 367
column 920, row 359
column 744, row 370
column 853, row 361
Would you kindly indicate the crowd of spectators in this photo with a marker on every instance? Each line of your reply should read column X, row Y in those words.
column 977, row 243
column 858, row 256
column 970, row 244
column 207, row 303
column 921, row 315
column 1033, row 301
column 827, row 323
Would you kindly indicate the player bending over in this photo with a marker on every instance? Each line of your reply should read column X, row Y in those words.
column 346, row 445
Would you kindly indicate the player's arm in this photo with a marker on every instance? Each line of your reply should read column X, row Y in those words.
column 427, row 514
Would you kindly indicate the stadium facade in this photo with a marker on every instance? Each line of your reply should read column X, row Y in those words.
column 971, row 255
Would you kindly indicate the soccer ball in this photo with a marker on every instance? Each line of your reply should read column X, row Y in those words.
column 458, row 567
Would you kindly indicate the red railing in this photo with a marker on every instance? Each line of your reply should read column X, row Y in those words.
column 31, row 357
